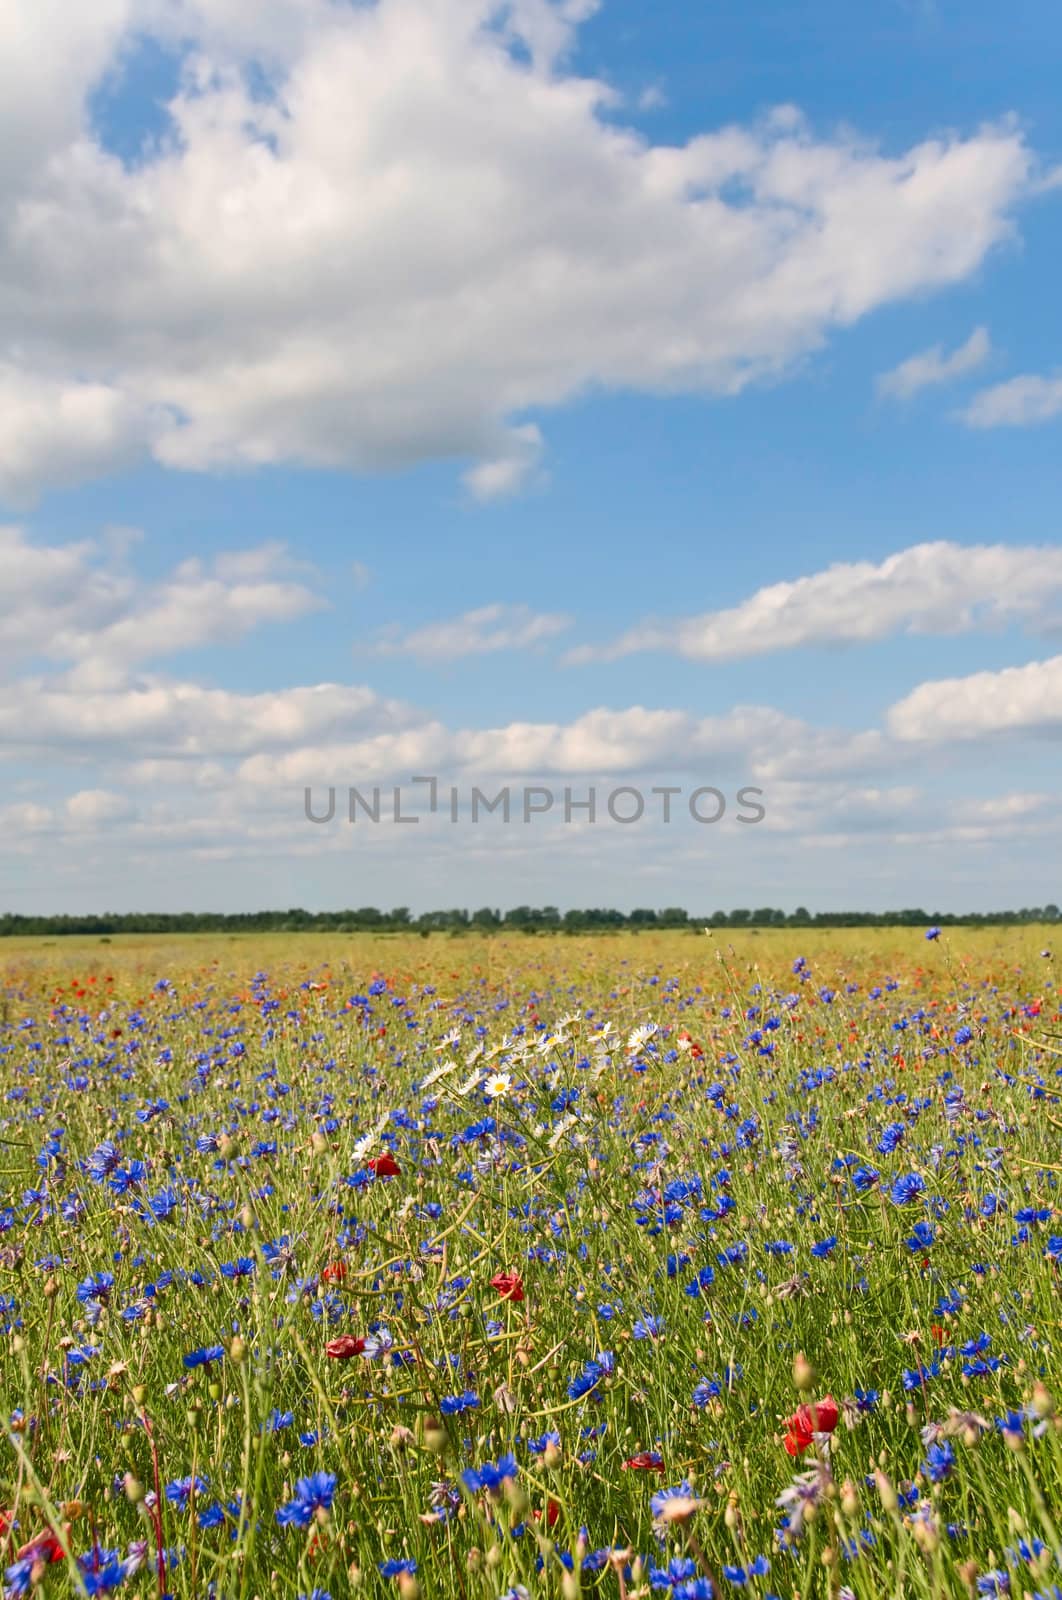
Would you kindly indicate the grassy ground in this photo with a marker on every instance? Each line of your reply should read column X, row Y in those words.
column 581, row 1220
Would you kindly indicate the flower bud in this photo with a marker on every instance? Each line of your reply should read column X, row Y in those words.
column 434, row 1436
column 803, row 1372
column 886, row 1492
column 1043, row 1401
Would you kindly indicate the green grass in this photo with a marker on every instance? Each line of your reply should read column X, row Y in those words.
column 568, row 1196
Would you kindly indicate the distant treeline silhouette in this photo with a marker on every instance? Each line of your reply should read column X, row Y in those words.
column 521, row 919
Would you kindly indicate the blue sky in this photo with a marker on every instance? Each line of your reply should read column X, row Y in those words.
column 582, row 396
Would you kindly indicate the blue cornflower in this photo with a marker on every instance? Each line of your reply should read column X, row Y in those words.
column 489, row 1478
column 452, row 1405
column 203, row 1357
column 674, row 1505
column 590, row 1377
column 96, row 1287
column 906, row 1188
column 180, row 1490
column 648, row 1328
column 739, row 1576
column 1012, row 1427
column 939, row 1462
column 311, row 1494
column 678, row 1570
column 242, row 1267
column 103, row 1161
column 107, row 1577
column 130, row 1177
column 396, row 1569
column 825, row 1247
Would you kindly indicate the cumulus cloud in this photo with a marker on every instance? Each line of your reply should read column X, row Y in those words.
column 932, row 367
column 940, row 587
column 59, row 431
column 748, row 742
column 482, row 631
column 1017, row 700
column 507, row 473
column 93, row 808
column 375, row 235
column 1019, row 403
column 155, row 718
column 81, row 603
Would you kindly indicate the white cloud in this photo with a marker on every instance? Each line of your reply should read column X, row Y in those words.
column 941, row 587
column 417, row 238
column 25, row 817
column 749, row 742
column 1018, row 403
column 933, row 367
column 59, row 431
column 480, row 632
column 80, row 603
column 1016, row 700
column 508, row 473
column 156, row 718
column 93, row 808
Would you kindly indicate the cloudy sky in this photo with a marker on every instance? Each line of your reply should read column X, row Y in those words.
column 529, row 394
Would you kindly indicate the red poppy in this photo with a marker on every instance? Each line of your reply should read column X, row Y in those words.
column 45, row 1547
column 509, row 1285
column 385, row 1166
column 645, row 1461
column 820, row 1417
column 552, row 1513
column 344, row 1347
column 335, row 1272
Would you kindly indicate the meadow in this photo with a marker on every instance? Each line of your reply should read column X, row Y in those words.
column 487, row 1267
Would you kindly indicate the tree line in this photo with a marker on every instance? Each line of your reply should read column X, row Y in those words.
column 521, row 919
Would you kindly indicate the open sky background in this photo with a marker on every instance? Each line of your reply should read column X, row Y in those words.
column 531, row 393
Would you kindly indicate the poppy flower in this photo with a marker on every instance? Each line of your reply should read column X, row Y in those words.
column 645, row 1461
column 807, row 1421
column 335, row 1272
column 344, row 1347
column 385, row 1166
column 45, row 1547
column 509, row 1285
column 552, row 1513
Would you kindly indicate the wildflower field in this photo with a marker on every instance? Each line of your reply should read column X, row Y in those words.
column 491, row 1267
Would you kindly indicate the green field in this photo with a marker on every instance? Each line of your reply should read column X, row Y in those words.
column 480, row 1265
